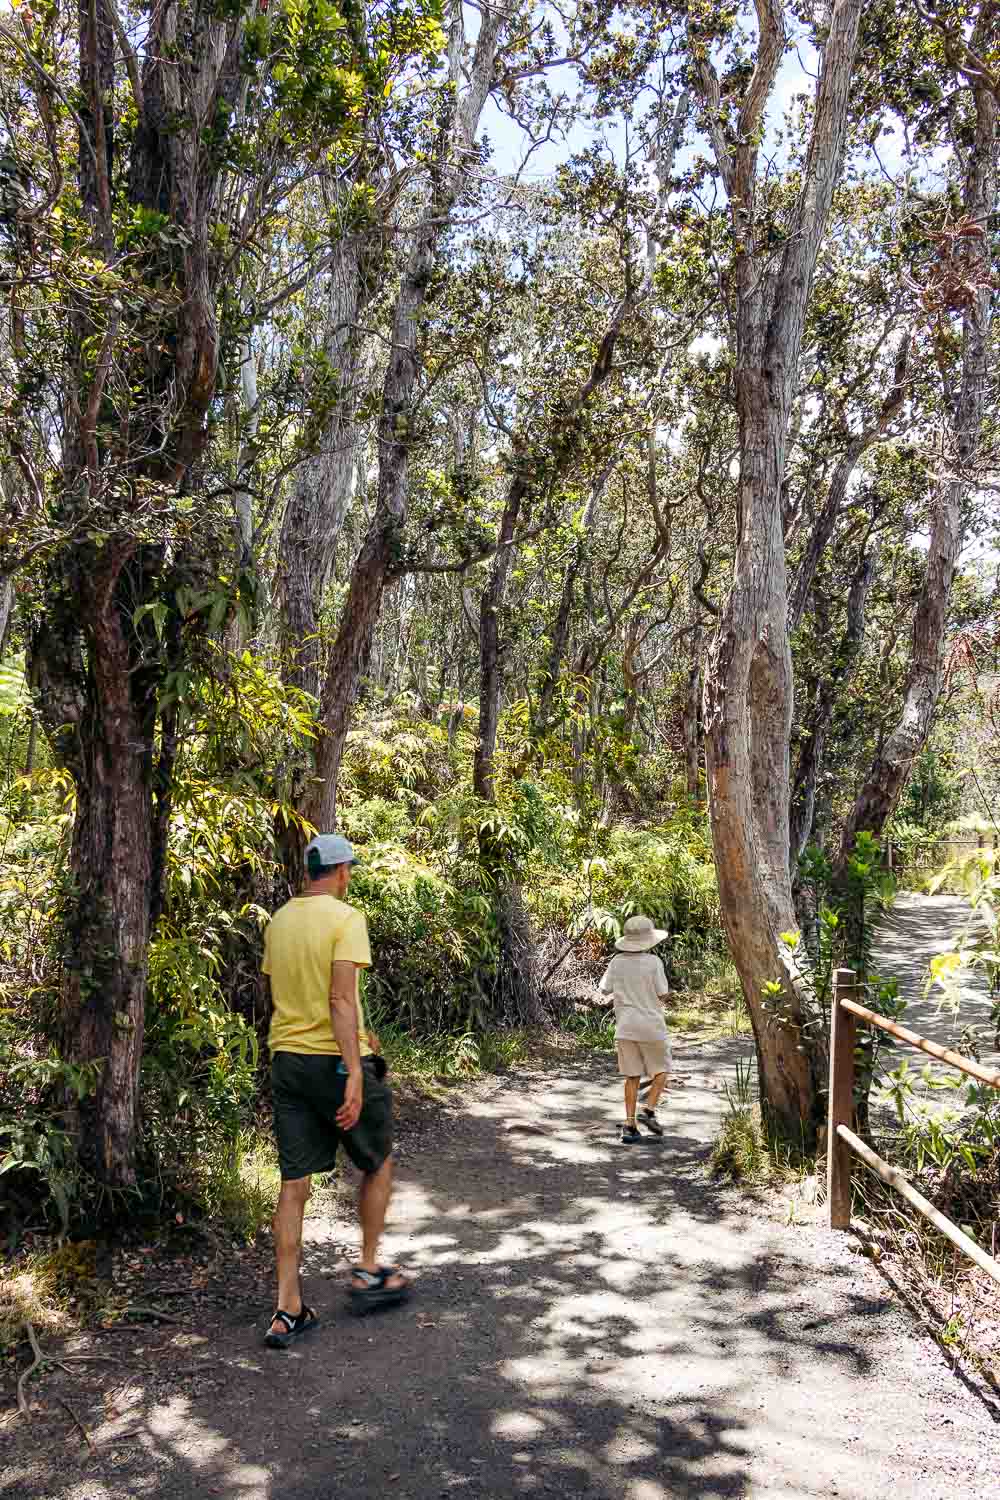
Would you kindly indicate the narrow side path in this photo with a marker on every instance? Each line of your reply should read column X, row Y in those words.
column 591, row 1320
column 917, row 929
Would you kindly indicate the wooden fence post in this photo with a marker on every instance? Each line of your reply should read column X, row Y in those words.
column 843, row 1034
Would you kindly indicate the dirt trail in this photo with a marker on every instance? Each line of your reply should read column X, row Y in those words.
column 917, row 929
column 590, row 1320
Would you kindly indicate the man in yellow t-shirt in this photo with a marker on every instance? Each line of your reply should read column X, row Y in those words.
column 327, row 1081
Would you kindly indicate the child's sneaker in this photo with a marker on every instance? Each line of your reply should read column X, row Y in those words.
column 650, row 1121
column 630, row 1134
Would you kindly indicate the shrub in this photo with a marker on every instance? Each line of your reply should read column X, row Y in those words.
column 667, row 873
column 436, row 944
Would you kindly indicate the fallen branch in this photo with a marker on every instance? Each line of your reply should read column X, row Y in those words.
column 64, row 1361
column 22, row 1400
column 76, row 1419
column 150, row 1312
column 61, row 1362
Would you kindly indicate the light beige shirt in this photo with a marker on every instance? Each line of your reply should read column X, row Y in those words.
column 638, row 984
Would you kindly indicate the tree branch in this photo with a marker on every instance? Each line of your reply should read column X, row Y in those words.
column 128, row 53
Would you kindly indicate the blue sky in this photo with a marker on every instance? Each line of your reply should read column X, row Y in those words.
column 796, row 76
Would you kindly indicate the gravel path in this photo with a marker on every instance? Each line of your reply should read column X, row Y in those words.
column 590, row 1321
column 918, row 929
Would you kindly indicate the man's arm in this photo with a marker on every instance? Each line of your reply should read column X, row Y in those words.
column 344, row 1018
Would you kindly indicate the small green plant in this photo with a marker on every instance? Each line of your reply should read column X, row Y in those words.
column 500, row 1051
column 593, row 1028
column 239, row 1190
column 740, row 1153
column 38, row 1140
column 952, row 1334
column 745, row 1151
column 741, row 1093
column 978, row 878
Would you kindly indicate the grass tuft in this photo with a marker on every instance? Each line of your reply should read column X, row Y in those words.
column 741, row 1152
column 33, row 1291
column 745, row 1151
column 240, row 1191
column 430, row 1061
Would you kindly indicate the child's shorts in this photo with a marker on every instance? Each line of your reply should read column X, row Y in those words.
column 638, row 1058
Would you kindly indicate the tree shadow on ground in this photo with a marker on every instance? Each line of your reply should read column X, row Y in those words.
column 588, row 1321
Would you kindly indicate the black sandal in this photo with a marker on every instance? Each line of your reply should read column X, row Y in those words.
column 375, row 1293
column 652, row 1124
column 304, row 1322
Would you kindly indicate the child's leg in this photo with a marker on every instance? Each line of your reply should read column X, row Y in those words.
column 656, row 1089
column 631, row 1096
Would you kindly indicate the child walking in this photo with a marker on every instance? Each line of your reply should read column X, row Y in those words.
column 637, row 983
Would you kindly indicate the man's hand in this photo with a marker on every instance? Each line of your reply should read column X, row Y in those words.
column 374, row 1042
column 347, row 1114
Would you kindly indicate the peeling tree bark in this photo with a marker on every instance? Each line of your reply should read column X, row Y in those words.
column 748, row 679
column 809, row 764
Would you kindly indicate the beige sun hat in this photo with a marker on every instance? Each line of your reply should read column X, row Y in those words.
column 639, row 934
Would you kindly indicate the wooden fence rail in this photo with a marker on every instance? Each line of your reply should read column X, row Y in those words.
column 937, row 851
column 843, row 1143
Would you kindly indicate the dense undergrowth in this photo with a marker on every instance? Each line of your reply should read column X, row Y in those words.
column 435, row 995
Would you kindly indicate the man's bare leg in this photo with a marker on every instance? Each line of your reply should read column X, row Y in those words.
column 656, row 1089
column 631, row 1096
column 373, row 1203
column 287, row 1227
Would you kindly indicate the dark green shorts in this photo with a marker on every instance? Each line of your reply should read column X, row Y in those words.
column 307, row 1090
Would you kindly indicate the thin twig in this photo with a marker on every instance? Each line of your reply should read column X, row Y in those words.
column 65, row 1404
column 88, row 1359
column 150, row 1312
column 566, row 952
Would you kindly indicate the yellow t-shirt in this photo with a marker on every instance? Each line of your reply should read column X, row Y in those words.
column 301, row 942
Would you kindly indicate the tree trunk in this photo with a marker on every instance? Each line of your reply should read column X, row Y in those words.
column 810, row 758
column 6, row 609
column 323, row 486
column 490, row 667
column 107, row 926
column 106, row 910
column 748, row 679
column 692, row 723
column 454, row 159
column 887, row 776
column 748, row 714
column 237, row 631
column 373, row 567
column 133, row 416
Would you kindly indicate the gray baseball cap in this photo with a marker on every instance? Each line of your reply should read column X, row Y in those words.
column 331, row 849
